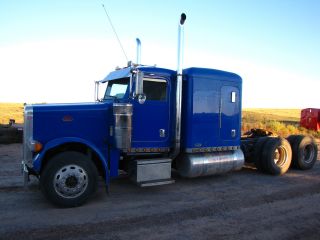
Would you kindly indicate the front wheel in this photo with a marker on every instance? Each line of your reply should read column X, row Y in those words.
column 69, row 179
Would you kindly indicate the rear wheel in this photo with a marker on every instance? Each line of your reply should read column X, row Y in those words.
column 69, row 179
column 257, row 153
column 305, row 151
column 276, row 156
column 292, row 139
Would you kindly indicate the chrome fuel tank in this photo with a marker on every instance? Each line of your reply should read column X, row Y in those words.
column 204, row 164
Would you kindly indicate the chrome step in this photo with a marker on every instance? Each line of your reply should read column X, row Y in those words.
column 152, row 172
column 156, row 183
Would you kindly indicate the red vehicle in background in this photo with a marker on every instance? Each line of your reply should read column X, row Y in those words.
column 310, row 118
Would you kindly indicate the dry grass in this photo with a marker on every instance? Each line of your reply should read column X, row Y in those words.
column 11, row 111
column 276, row 114
column 283, row 122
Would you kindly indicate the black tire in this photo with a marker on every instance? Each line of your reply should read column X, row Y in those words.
column 292, row 139
column 246, row 153
column 69, row 179
column 276, row 156
column 257, row 153
column 304, row 151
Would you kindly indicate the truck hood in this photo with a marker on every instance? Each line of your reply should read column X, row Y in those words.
column 90, row 121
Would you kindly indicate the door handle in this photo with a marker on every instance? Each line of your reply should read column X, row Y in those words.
column 162, row 133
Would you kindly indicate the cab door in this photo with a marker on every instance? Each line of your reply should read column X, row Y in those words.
column 150, row 120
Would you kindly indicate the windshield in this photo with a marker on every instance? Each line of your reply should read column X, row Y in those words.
column 116, row 88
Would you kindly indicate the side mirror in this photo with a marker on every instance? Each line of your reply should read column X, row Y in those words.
column 140, row 96
column 139, row 83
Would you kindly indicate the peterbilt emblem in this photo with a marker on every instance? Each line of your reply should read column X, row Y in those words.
column 67, row 118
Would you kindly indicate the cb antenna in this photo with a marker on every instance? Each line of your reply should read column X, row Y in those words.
column 115, row 33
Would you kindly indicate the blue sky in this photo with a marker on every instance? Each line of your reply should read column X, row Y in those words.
column 52, row 51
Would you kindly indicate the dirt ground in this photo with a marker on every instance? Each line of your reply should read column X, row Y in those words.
column 239, row 205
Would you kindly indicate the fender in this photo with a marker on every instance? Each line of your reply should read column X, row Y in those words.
column 37, row 163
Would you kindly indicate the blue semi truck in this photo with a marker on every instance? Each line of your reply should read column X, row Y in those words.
column 148, row 121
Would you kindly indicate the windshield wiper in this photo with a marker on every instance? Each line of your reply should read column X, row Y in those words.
column 116, row 99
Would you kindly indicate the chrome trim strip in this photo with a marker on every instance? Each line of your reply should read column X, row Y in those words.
column 211, row 149
column 148, row 150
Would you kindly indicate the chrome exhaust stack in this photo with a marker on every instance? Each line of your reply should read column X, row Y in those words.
column 176, row 150
column 180, row 44
column 138, row 61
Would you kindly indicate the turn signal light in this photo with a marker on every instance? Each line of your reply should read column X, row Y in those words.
column 35, row 146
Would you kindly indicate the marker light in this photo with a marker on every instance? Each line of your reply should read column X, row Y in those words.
column 35, row 146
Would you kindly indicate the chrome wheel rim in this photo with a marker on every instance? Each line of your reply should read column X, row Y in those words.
column 280, row 156
column 70, row 181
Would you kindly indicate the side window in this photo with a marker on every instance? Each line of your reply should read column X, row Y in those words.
column 233, row 97
column 155, row 89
